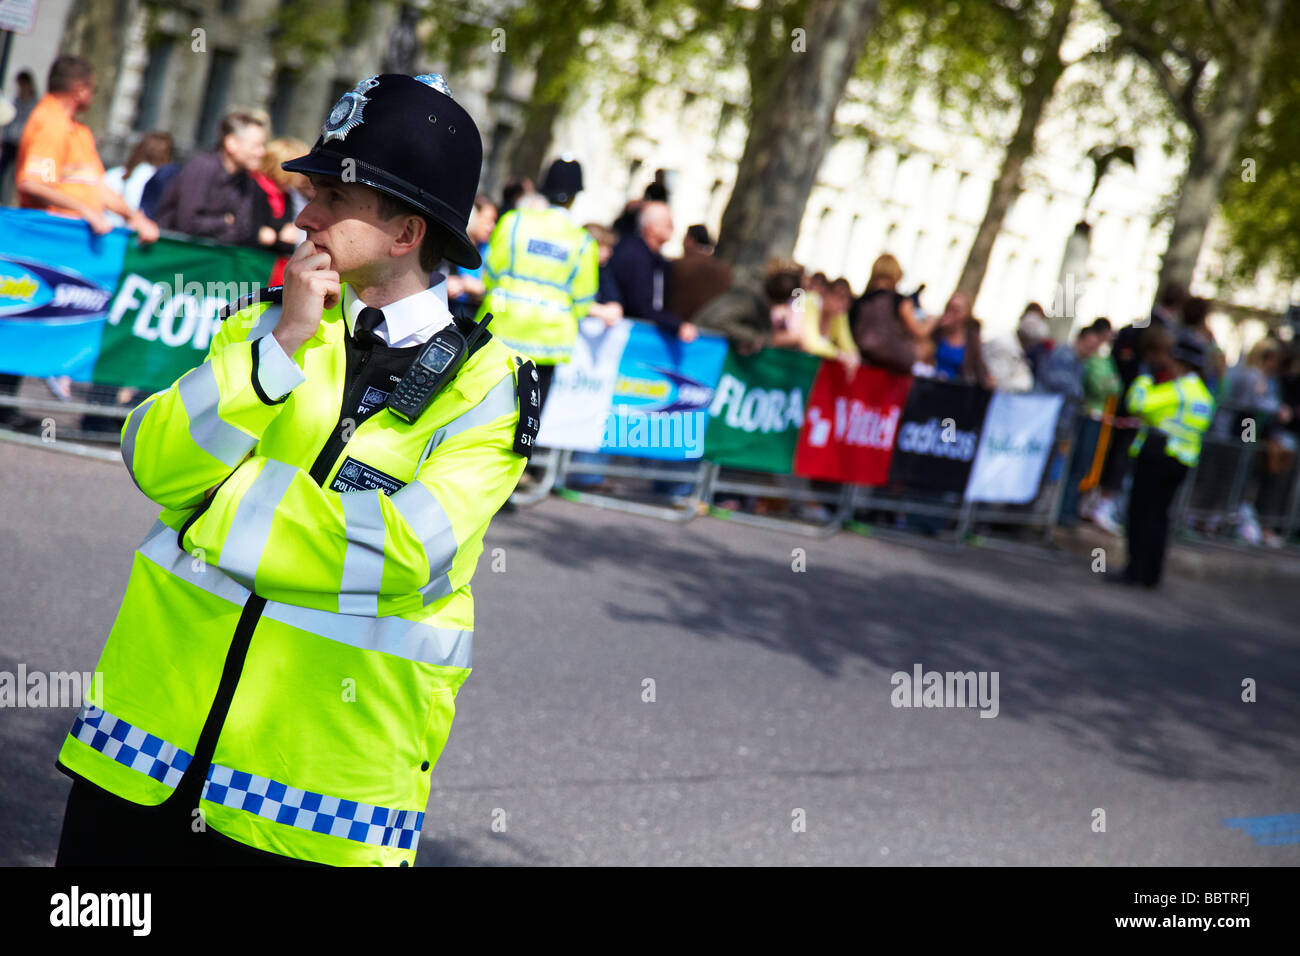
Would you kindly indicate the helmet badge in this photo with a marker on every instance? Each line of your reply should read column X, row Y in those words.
column 346, row 115
column 435, row 81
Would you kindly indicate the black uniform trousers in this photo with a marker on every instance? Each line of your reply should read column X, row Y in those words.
column 101, row 829
column 1156, row 477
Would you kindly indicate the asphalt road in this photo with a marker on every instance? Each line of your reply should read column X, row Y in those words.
column 772, row 694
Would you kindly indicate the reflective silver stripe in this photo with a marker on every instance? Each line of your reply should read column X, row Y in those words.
column 424, row 513
column 363, row 562
column 220, row 439
column 448, row 647
column 160, row 547
column 266, row 322
column 246, row 540
column 500, row 400
column 128, row 437
column 411, row 640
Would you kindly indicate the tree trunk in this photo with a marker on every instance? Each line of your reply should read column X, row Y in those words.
column 1037, row 94
column 789, row 133
column 529, row 150
column 1214, row 149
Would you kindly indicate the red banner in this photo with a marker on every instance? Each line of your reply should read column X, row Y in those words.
column 849, row 425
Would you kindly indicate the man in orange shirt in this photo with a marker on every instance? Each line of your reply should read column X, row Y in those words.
column 59, row 169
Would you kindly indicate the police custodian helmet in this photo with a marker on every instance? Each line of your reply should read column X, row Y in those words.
column 406, row 136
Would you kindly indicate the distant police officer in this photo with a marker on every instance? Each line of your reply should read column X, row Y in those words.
column 282, row 673
column 1175, row 414
column 541, row 274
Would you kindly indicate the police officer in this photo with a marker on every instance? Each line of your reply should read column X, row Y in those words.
column 282, row 673
column 1175, row 414
column 541, row 274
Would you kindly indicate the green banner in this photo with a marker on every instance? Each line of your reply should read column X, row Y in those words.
column 164, row 313
column 758, row 408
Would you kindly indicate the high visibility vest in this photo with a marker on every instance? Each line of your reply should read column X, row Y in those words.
column 299, row 648
column 1182, row 408
column 540, row 275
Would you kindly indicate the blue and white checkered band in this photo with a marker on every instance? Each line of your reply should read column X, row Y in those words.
column 436, row 81
column 316, row 812
column 345, row 117
column 114, row 737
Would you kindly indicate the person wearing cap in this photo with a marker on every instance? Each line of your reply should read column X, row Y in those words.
column 1013, row 359
column 541, row 274
column 1174, row 414
column 282, row 673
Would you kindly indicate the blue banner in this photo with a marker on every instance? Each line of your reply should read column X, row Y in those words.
column 57, row 279
column 660, row 406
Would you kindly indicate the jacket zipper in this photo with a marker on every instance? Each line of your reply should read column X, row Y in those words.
column 190, row 788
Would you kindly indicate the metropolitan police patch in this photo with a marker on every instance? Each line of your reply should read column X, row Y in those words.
column 346, row 115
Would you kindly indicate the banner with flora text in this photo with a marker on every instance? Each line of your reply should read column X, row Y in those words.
column 107, row 310
column 758, row 408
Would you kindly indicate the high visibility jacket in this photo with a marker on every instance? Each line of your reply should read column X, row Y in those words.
column 1182, row 408
column 294, row 649
column 540, row 274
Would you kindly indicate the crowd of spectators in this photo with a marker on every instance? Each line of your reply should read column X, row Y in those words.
column 236, row 193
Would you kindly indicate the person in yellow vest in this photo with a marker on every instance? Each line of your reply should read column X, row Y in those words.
column 541, row 274
column 1175, row 414
column 282, row 674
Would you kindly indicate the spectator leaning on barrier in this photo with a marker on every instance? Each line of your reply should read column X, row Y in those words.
column 1011, row 358
column 884, row 324
column 643, row 274
column 1251, row 410
column 698, row 277
column 59, row 170
column 214, row 196
column 827, row 333
column 541, row 273
column 608, row 306
column 959, row 354
column 153, row 150
column 1195, row 312
column 1175, row 414
column 465, row 288
column 748, row 315
column 1064, row 374
column 24, row 103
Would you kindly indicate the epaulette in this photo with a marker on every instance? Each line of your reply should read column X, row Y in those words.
column 273, row 294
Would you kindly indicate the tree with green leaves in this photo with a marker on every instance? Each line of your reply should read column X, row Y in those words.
column 799, row 58
column 1209, row 60
column 983, row 61
column 1259, row 203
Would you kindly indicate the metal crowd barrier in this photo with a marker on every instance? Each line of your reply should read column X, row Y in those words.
column 1207, row 509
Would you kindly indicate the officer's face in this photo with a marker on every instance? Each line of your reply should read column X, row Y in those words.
column 343, row 220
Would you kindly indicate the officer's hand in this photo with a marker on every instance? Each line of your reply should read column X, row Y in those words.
column 310, row 287
column 687, row 332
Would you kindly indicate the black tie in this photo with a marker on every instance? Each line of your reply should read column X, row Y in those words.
column 364, row 332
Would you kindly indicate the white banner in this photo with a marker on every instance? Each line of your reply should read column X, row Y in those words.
column 1019, row 431
column 578, row 403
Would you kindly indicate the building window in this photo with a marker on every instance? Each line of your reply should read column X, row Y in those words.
column 215, row 98
column 282, row 95
column 149, row 105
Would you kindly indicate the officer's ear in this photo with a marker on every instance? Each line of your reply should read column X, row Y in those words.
column 411, row 236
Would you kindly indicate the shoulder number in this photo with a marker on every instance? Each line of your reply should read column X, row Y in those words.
column 530, row 408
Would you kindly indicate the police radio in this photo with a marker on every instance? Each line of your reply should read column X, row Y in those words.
column 436, row 365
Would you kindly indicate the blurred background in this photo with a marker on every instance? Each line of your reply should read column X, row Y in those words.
column 967, row 138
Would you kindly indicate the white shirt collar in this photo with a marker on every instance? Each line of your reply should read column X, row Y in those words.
column 408, row 321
